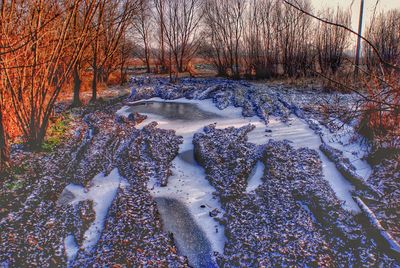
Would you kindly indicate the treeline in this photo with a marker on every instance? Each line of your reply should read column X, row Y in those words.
column 256, row 38
column 261, row 38
column 269, row 38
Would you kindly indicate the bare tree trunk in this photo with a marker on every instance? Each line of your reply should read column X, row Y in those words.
column 122, row 74
column 76, row 102
column 147, row 58
column 4, row 150
column 162, row 35
column 94, row 85
column 95, row 78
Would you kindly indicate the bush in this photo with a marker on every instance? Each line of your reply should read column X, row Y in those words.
column 56, row 132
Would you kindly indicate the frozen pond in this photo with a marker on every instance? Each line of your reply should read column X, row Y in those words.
column 188, row 186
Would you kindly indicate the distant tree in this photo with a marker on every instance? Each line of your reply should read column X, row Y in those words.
column 126, row 50
column 225, row 24
column 295, row 39
column 260, row 38
column 384, row 34
column 76, row 29
column 181, row 28
column 111, row 22
column 331, row 41
column 160, row 21
column 142, row 24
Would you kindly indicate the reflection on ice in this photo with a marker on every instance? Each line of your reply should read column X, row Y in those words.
column 189, row 237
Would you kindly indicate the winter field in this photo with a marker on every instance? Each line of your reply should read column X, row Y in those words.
column 206, row 172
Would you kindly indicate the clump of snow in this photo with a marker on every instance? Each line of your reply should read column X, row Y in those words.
column 123, row 112
column 102, row 192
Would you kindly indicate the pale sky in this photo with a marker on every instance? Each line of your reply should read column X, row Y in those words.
column 354, row 6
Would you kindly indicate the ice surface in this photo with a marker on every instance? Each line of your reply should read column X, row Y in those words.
column 188, row 183
column 190, row 240
column 255, row 177
column 102, row 192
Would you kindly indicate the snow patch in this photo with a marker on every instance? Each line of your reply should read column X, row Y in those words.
column 255, row 177
column 124, row 112
column 71, row 248
column 102, row 192
column 344, row 140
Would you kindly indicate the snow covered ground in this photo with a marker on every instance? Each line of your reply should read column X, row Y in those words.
column 296, row 131
column 188, row 184
column 274, row 195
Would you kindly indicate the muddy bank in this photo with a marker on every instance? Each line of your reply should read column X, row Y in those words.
column 47, row 232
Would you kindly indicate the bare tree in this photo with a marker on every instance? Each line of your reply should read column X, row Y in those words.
column 142, row 25
column 259, row 39
column 33, row 75
column 225, row 23
column 125, row 51
column 384, row 34
column 112, row 21
column 82, row 60
column 160, row 20
column 295, row 40
column 181, row 28
column 4, row 150
column 332, row 41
